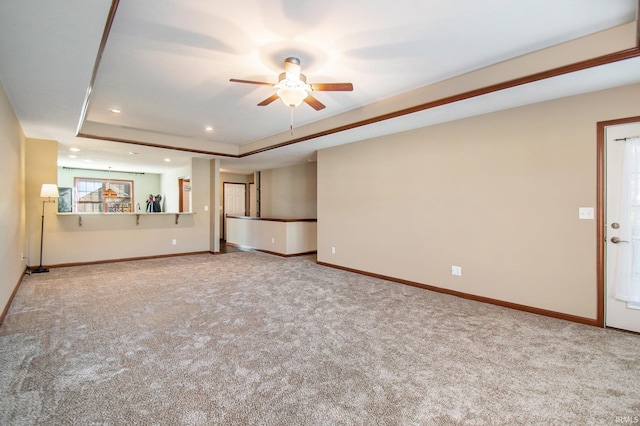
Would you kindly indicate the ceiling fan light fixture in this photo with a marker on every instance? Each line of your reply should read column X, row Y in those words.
column 293, row 89
column 292, row 96
column 292, row 92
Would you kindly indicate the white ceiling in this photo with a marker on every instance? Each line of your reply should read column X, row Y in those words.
column 167, row 64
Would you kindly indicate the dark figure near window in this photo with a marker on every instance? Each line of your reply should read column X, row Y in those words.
column 153, row 204
column 156, row 203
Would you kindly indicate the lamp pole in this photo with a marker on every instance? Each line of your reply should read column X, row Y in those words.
column 48, row 191
column 41, row 269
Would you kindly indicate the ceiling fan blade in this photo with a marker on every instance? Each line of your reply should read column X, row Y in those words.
column 332, row 87
column 314, row 103
column 268, row 100
column 264, row 83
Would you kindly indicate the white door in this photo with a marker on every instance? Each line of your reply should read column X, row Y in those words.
column 618, row 313
column 234, row 202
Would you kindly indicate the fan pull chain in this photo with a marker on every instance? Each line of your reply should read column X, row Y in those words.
column 291, row 125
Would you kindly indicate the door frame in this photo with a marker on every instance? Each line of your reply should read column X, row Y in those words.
column 601, row 209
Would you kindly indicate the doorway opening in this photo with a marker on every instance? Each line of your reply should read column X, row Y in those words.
column 184, row 195
column 234, row 202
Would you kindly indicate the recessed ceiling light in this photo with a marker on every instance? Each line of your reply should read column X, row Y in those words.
column 74, row 149
column 133, row 153
column 73, row 156
column 209, row 129
column 168, row 160
column 115, row 110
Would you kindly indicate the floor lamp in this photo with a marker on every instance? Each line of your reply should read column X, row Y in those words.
column 48, row 191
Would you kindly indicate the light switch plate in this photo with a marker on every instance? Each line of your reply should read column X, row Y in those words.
column 585, row 213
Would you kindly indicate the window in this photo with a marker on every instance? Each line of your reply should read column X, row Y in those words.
column 103, row 196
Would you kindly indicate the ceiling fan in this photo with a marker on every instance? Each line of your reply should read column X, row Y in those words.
column 293, row 88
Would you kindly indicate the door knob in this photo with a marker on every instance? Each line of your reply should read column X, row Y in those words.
column 616, row 240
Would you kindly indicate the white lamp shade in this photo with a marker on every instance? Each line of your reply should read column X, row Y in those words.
column 292, row 97
column 49, row 190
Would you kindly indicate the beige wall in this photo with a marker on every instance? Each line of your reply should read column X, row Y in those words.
column 289, row 192
column 41, row 167
column 496, row 194
column 235, row 178
column 287, row 238
column 12, row 209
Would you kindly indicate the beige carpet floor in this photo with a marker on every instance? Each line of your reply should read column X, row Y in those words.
column 253, row 339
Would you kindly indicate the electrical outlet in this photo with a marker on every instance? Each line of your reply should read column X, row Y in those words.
column 456, row 270
column 585, row 213
column 174, row 242
column 333, row 250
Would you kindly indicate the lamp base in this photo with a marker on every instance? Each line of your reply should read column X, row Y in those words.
column 39, row 270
